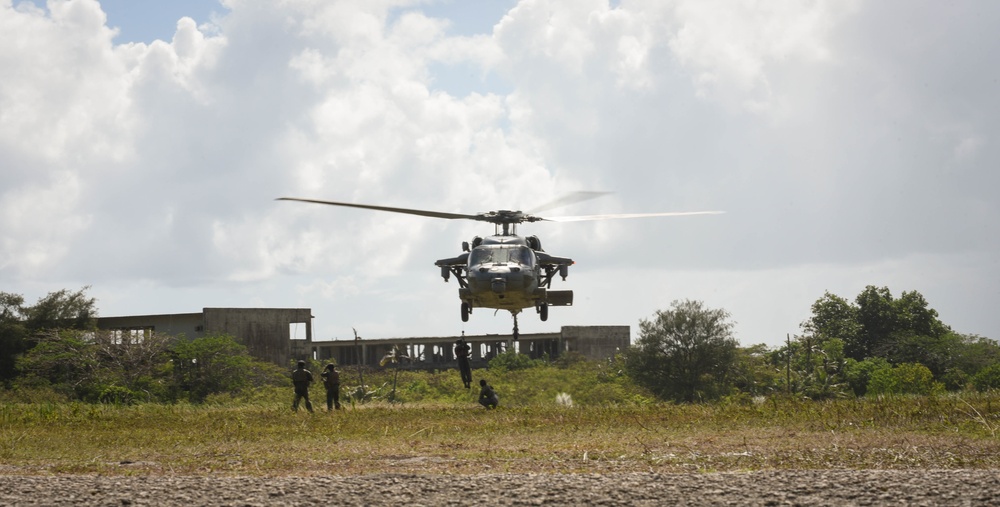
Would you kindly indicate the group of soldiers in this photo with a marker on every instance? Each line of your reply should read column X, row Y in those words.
column 487, row 396
column 301, row 378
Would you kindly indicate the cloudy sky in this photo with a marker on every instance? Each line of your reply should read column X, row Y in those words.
column 142, row 145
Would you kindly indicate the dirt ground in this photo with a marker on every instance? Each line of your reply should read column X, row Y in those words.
column 775, row 487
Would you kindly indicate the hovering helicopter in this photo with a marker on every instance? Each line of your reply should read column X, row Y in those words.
column 506, row 271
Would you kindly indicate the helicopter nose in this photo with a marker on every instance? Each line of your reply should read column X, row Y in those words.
column 499, row 284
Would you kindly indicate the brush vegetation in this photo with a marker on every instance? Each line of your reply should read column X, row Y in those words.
column 878, row 383
column 436, row 426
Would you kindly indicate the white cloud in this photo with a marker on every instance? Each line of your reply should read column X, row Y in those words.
column 730, row 45
column 842, row 139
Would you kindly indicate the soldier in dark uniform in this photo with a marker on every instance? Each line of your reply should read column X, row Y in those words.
column 462, row 351
column 331, row 380
column 301, row 378
column 487, row 396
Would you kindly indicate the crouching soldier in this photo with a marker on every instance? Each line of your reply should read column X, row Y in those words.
column 487, row 396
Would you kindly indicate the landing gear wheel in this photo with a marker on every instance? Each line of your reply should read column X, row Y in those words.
column 543, row 312
column 466, row 310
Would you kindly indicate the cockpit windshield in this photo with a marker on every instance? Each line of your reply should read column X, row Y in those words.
column 502, row 254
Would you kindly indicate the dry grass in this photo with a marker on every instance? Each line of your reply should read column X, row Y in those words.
column 265, row 438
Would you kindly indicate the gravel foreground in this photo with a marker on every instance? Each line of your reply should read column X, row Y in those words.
column 775, row 487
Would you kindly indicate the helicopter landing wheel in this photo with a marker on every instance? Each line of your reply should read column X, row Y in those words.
column 466, row 310
column 543, row 312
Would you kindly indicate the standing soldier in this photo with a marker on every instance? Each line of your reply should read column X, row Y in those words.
column 331, row 380
column 301, row 378
column 462, row 351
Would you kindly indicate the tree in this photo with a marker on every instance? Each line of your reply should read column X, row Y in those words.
column 87, row 364
column 133, row 361
column 902, row 330
column 860, row 373
column 684, row 353
column 755, row 372
column 13, row 334
column 62, row 310
column 21, row 326
column 970, row 354
column 988, row 378
column 875, row 317
column 396, row 357
column 65, row 360
column 817, row 366
column 833, row 317
column 218, row 364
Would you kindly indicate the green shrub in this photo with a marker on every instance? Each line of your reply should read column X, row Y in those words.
column 116, row 395
column 859, row 373
column 906, row 378
column 511, row 360
column 988, row 378
column 955, row 379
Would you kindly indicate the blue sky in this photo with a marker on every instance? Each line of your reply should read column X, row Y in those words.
column 850, row 144
column 149, row 20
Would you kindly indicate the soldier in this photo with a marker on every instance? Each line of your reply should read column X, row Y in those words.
column 301, row 378
column 331, row 380
column 462, row 351
column 487, row 396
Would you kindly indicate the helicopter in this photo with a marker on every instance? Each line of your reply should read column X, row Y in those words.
column 506, row 271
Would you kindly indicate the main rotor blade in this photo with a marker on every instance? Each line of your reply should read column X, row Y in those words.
column 566, row 200
column 420, row 212
column 583, row 218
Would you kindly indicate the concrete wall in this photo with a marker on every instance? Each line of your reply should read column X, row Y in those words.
column 596, row 342
column 186, row 324
column 266, row 332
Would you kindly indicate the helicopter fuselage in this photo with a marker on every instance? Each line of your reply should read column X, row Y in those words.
column 507, row 272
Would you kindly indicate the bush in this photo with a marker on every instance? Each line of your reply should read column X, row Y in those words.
column 955, row 379
column 219, row 364
column 988, row 378
column 859, row 373
column 511, row 360
column 116, row 395
column 906, row 378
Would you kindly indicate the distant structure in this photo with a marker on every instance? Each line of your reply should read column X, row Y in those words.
column 278, row 335
column 284, row 335
column 591, row 342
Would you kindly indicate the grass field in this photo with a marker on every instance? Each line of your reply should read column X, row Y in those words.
column 262, row 436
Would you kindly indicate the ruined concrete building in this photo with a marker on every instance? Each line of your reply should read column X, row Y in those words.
column 284, row 335
column 591, row 342
column 278, row 335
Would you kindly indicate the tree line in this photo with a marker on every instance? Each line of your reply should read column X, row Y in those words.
column 54, row 346
column 876, row 344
